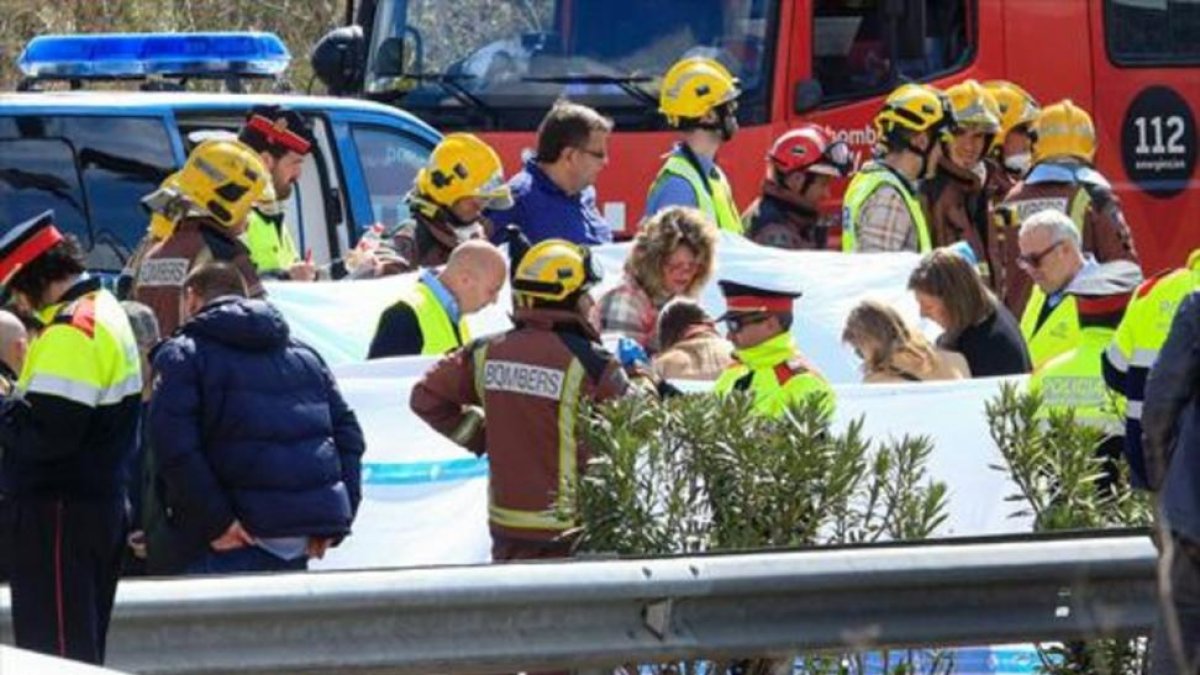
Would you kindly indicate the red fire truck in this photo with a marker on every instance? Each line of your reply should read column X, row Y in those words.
column 495, row 69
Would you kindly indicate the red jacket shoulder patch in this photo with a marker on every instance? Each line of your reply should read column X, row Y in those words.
column 1148, row 285
column 80, row 315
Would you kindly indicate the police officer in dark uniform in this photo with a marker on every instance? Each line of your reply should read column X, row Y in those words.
column 69, row 436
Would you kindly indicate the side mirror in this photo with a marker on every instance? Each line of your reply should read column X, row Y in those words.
column 807, row 96
column 339, row 60
column 389, row 59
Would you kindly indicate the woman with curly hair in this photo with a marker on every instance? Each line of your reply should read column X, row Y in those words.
column 893, row 352
column 673, row 255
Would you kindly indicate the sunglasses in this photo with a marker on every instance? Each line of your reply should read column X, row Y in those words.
column 1032, row 261
column 737, row 322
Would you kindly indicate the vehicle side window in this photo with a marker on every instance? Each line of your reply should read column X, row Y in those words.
column 38, row 174
column 864, row 48
column 93, row 171
column 1165, row 33
column 390, row 161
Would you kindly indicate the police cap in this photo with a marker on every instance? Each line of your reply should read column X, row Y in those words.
column 741, row 298
column 272, row 128
column 26, row 241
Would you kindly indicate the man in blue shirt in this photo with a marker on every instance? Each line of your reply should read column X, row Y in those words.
column 553, row 196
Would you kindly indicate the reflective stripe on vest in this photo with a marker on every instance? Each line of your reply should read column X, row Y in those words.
column 271, row 248
column 437, row 332
column 559, row 516
column 94, row 367
column 718, row 205
column 1057, row 335
column 1074, row 380
column 862, row 186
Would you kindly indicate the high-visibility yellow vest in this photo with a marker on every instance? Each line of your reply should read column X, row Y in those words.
column 713, row 196
column 775, row 383
column 87, row 353
column 1148, row 317
column 1058, row 334
column 437, row 331
column 271, row 248
column 862, row 186
column 1074, row 379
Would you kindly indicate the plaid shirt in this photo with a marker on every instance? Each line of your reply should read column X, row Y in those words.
column 885, row 224
column 628, row 310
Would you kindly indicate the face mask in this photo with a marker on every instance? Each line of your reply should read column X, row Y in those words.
column 467, row 232
column 1018, row 163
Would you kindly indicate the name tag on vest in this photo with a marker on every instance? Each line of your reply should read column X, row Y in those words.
column 163, row 272
column 1028, row 207
column 521, row 378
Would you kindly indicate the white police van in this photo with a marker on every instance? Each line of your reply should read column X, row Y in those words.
column 91, row 155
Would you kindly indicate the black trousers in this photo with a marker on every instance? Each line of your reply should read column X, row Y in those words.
column 66, row 559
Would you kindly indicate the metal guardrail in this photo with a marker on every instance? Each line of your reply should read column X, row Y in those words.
column 505, row 618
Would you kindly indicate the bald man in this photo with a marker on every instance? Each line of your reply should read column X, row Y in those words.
column 430, row 317
column 14, row 342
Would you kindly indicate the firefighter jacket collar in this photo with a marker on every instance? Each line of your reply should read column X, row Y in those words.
column 556, row 319
column 768, row 354
column 1066, row 172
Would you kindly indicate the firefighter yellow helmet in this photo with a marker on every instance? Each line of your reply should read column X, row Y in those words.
column 1017, row 107
column 462, row 166
column 223, row 179
column 695, row 86
column 914, row 108
column 974, row 107
column 1064, row 130
column 552, row 271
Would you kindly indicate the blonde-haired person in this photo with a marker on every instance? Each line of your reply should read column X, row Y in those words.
column 893, row 352
column 673, row 255
column 974, row 323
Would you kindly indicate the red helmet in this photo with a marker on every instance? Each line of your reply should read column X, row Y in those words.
column 809, row 148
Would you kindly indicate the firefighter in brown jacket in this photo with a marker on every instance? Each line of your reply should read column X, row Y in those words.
column 956, row 197
column 516, row 396
column 1063, row 179
column 209, row 200
column 462, row 179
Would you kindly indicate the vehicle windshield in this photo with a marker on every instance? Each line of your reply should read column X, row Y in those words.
column 501, row 67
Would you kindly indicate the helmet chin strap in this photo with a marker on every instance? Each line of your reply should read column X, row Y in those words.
column 725, row 126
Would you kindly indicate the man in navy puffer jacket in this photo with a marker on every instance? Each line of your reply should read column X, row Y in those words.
column 257, row 455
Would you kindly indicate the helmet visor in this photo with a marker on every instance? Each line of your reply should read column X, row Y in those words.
column 496, row 193
column 835, row 161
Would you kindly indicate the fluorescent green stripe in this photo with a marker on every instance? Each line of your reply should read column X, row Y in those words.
column 568, row 409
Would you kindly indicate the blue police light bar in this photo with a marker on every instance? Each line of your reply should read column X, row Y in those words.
column 138, row 55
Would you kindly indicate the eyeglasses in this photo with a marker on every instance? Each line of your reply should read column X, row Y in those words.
column 1032, row 261
column 598, row 154
column 684, row 267
column 737, row 322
